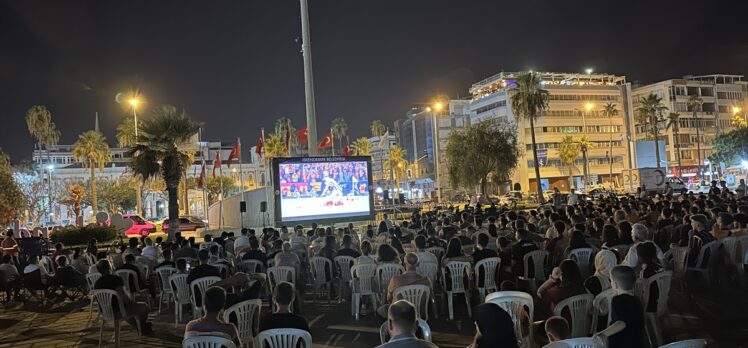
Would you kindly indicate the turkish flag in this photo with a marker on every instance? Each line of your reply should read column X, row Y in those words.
column 326, row 141
column 233, row 155
column 260, row 144
column 302, row 135
column 346, row 150
column 216, row 163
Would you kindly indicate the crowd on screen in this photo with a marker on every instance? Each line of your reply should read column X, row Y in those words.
column 315, row 179
column 632, row 238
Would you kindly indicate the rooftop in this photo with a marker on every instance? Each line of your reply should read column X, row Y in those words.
column 506, row 80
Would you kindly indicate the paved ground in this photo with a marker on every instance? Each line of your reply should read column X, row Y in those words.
column 720, row 317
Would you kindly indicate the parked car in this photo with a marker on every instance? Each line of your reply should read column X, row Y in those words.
column 140, row 226
column 186, row 223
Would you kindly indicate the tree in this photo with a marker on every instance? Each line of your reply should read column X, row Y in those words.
column 568, row 153
column 339, row 128
column 36, row 194
column 275, row 147
column 280, row 128
column 40, row 126
column 75, row 194
column 126, row 138
column 117, row 195
column 609, row 111
column 4, row 161
column 377, row 128
column 163, row 147
column 11, row 197
column 730, row 147
column 474, row 153
column 529, row 99
column 584, row 145
column 694, row 103
column 397, row 163
column 92, row 151
column 738, row 121
column 673, row 122
column 361, row 147
column 649, row 114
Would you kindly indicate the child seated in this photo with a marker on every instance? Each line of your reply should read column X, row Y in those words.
column 626, row 308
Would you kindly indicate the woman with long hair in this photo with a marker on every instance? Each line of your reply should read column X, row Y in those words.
column 565, row 281
column 395, row 242
column 493, row 328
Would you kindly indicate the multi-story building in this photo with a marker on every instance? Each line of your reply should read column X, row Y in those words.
column 722, row 96
column 423, row 134
column 575, row 109
column 380, row 153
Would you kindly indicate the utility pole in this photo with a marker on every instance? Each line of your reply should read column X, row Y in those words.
column 306, row 49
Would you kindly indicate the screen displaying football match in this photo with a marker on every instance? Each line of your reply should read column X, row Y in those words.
column 318, row 189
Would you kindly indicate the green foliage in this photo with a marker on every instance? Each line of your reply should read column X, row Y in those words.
column 11, row 198
column 40, row 126
column 377, row 128
column 275, row 146
column 529, row 99
column 72, row 235
column 126, row 131
column 117, row 195
column 213, row 186
column 361, row 147
column 339, row 129
column 397, row 163
column 483, row 149
column 730, row 147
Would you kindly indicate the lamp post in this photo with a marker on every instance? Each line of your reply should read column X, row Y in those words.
column 134, row 103
column 438, row 107
column 588, row 106
column 50, row 168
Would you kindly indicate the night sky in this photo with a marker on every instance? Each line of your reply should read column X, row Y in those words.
column 235, row 65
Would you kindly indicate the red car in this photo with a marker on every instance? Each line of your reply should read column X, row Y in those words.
column 185, row 224
column 140, row 226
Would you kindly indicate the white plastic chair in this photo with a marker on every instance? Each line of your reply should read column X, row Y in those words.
column 199, row 286
column 694, row 343
column 166, row 292
column 437, row 251
column 581, row 342
column 741, row 257
column 428, row 270
column 181, row 290
column 206, row 341
column 425, row 330
column 513, row 302
column 247, row 319
column 362, row 285
column 601, row 307
column 384, row 274
column 703, row 268
column 250, row 266
column 343, row 265
column 223, row 269
column 106, row 300
column 48, row 264
column 271, row 263
column 488, row 267
column 281, row 274
column 317, row 267
column 582, row 257
column 91, row 279
column 538, row 258
column 662, row 280
column 129, row 277
column 418, row 295
column 579, row 306
column 679, row 256
column 457, row 270
column 283, row 338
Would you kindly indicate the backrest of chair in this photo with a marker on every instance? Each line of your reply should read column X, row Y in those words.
column 711, row 257
column 222, row 269
column 579, row 306
column 663, row 280
column 694, row 343
column 91, row 279
column 317, row 266
column 107, row 299
column 680, row 261
column 205, row 341
column 538, row 258
column 199, row 285
column 271, row 263
column 343, row 265
column 250, row 266
column 512, row 302
column 581, row 342
column 426, row 329
column 128, row 277
column 247, row 318
column 415, row 294
column 741, row 250
column 428, row 270
column 386, row 271
column 179, row 286
column 456, row 272
column 468, row 249
column 437, row 251
column 730, row 244
column 281, row 274
column 364, row 273
column 283, row 338
column 488, row 266
column 601, row 303
column 48, row 264
column 582, row 257
column 164, row 273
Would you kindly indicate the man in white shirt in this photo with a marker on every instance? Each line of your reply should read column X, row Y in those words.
column 423, row 256
column 572, row 199
column 150, row 251
column 639, row 233
column 242, row 241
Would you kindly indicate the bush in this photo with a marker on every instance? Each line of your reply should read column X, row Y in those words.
column 73, row 235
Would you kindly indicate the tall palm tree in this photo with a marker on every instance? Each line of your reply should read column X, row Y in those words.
column 673, row 120
column 164, row 144
column 568, row 153
column 275, row 146
column 584, row 145
column 92, row 151
column 397, row 163
column 650, row 112
column 694, row 103
column 529, row 100
column 362, row 146
column 40, row 126
column 377, row 128
column 280, row 129
column 339, row 128
column 126, row 138
column 609, row 110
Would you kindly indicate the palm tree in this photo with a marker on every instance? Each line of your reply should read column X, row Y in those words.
column 568, row 153
column 126, row 138
column 649, row 114
column 163, row 147
column 694, row 103
column 377, row 128
column 361, row 147
column 40, row 125
column 339, row 128
column 673, row 120
column 584, row 145
column 280, row 129
column 609, row 110
column 528, row 102
column 92, row 151
column 275, row 147
column 397, row 163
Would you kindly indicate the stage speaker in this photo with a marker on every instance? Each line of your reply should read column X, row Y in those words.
column 263, row 206
column 401, row 198
column 242, row 207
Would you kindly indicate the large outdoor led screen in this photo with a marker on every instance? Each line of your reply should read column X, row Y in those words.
column 323, row 189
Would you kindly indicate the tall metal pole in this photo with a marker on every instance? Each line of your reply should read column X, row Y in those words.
column 203, row 154
column 306, row 49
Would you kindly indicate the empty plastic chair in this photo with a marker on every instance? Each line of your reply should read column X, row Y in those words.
column 246, row 316
column 319, row 266
column 166, row 292
column 538, row 258
column 91, row 279
column 181, row 290
column 487, row 267
column 343, row 271
column 457, row 270
column 283, row 338
column 280, row 274
column 579, row 306
column 362, row 285
column 107, row 300
column 206, row 341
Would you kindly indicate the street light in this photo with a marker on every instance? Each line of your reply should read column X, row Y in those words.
column 438, row 106
column 588, row 71
column 134, row 103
